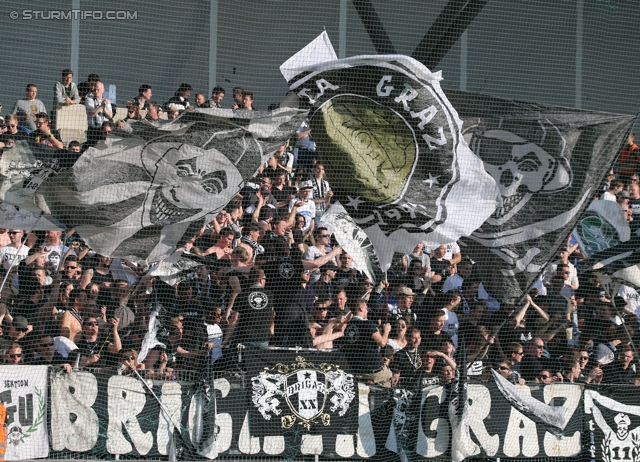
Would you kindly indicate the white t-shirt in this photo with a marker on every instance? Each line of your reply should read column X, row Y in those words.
column 307, row 210
column 452, row 249
column 311, row 254
column 8, row 253
column 56, row 253
column 632, row 298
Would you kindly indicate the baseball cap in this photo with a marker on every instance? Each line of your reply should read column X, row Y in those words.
column 404, row 290
column 306, row 185
column 624, row 194
column 20, row 322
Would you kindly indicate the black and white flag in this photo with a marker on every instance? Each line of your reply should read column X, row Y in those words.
column 392, row 148
column 137, row 195
column 548, row 163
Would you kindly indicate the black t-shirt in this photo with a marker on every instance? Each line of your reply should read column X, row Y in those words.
column 407, row 363
column 426, row 379
column 440, row 267
column 431, row 341
column 283, row 276
column 325, row 290
column 284, row 195
column 344, row 277
column 255, row 305
column 359, row 347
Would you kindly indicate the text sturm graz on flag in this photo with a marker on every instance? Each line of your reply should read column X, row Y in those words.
column 311, row 393
column 391, row 145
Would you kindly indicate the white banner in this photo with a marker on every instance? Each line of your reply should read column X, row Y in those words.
column 23, row 391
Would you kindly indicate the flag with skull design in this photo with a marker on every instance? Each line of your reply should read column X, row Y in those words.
column 138, row 195
column 548, row 163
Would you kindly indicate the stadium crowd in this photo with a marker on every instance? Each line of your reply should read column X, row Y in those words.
column 273, row 275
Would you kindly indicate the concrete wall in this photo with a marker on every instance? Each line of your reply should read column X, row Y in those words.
column 522, row 49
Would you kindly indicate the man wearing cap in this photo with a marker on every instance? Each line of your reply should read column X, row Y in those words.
column 304, row 206
column 181, row 97
column 404, row 296
column 622, row 198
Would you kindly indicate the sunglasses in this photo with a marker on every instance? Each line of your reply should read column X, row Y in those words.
column 545, row 376
column 402, row 326
column 90, row 323
column 17, row 355
column 128, row 358
column 45, row 345
column 13, row 232
column 22, row 329
column 323, row 235
column 584, row 358
column 12, row 125
column 71, row 267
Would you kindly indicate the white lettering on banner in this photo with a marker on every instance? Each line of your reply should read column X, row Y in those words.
column 479, row 407
column 322, row 85
column 220, row 440
column 433, row 447
column 381, row 88
column 127, row 398
column 520, row 426
column 246, row 443
column 408, row 94
column 563, row 446
column 170, row 412
column 75, row 422
column 366, row 446
column 425, row 116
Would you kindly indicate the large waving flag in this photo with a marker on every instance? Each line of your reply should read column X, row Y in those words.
column 138, row 194
column 548, row 162
column 392, row 148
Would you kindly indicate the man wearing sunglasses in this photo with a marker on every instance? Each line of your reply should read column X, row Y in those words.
column 95, row 349
column 46, row 354
column 14, row 132
column 13, row 354
column 44, row 134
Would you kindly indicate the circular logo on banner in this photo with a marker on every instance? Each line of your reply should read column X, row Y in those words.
column 388, row 139
column 258, row 300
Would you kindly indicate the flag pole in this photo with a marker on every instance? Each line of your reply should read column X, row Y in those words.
column 4, row 281
column 386, row 298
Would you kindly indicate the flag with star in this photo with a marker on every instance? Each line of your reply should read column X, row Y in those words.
column 393, row 151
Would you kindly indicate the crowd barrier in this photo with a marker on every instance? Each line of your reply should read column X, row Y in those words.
column 292, row 404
